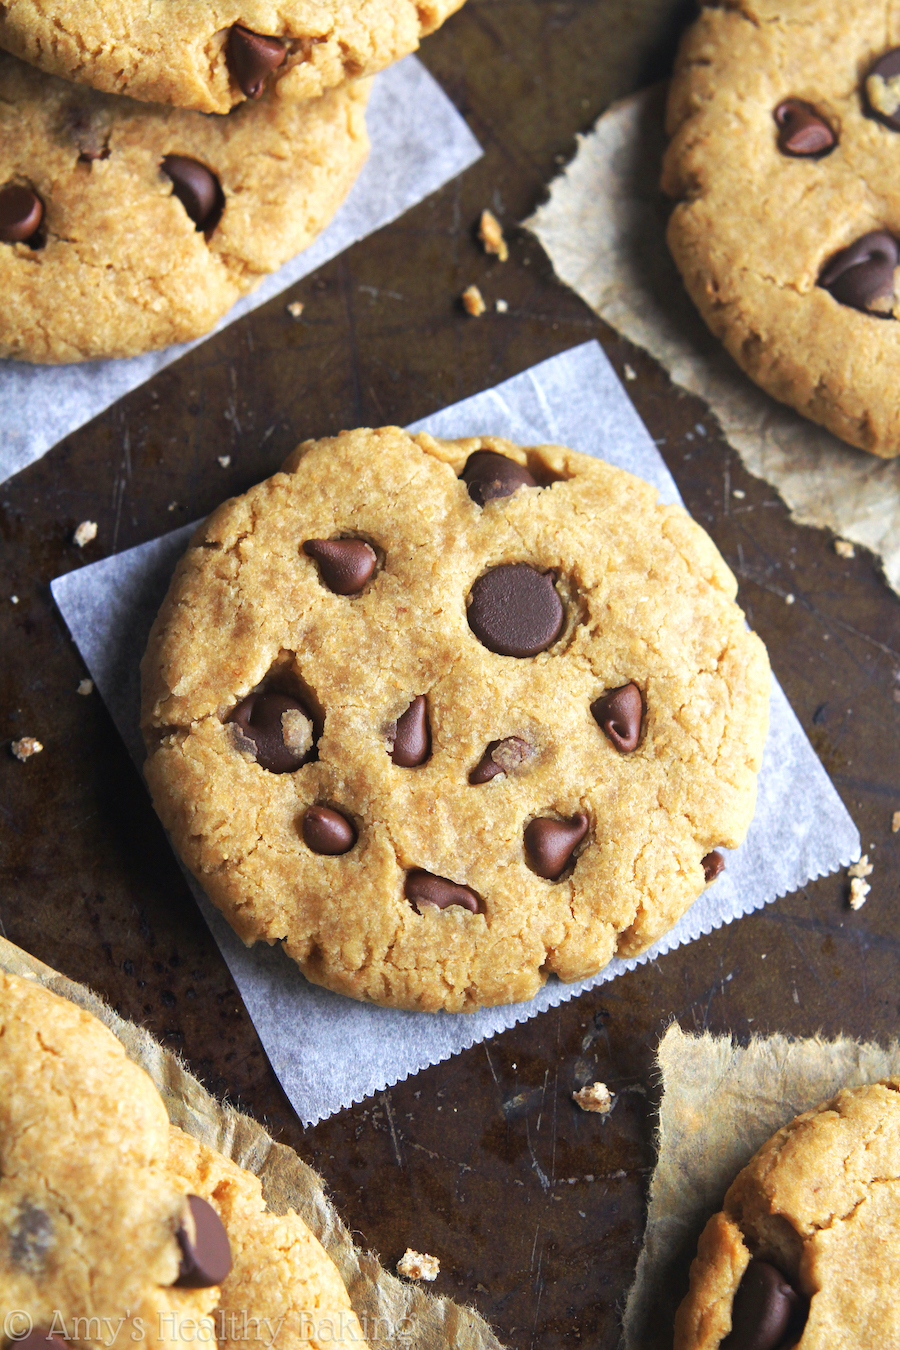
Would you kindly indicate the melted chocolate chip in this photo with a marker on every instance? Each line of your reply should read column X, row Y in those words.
column 882, row 89
column 862, row 276
column 279, row 727
column 424, row 888
column 345, row 565
column 412, row 739
column 488, row 475
column 30, row 1238
column 765, row 1307
column 21, row 212
column 500, row 757
column 197, row 188
column 252, row 58
column 713, row 865
column 802, row 131
column 40, row 1339
column 550, row 843
column 327, row 831
column 515, row 610
column 205, row 1249
column 619, row 716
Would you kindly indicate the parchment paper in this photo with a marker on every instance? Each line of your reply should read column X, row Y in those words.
column 380, row 1300
column 720, row 1103
column 327, row 1050
column 604, row 230
column 419, row 142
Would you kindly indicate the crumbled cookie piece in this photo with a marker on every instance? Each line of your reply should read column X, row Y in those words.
column 473, row 302
column 859, row 890
column 491, row 235
column 594, row 1097
column 224, row 461
column 863, row 868
column 295, row 308
column 85, row 532
column 844, row 549
column 418, row 1265
column 26, row 747
column 85, row 687
column 895, row 822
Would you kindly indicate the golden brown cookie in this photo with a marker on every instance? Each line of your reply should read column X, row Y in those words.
column 444, row 717
column 785, row 136
column 211, row 54
column 803, row 1253
column 126, row 227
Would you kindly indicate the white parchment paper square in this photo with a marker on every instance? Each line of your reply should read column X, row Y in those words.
column 327, row 1050
column 419, row 142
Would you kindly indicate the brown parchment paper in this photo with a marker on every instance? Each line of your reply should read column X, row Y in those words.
column 720, row 1103
column 603, row 228
column 381, row 1301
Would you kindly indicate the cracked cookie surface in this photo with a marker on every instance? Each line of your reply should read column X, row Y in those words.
column 783, row 162
column 456, row 822
column 819, row 1204
column 185, row 54
column 114, row 263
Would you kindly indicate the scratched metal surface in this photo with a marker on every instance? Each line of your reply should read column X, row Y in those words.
column 534, row 1208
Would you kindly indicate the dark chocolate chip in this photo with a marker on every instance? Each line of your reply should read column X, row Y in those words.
column 412, row 739
column 424, row 888
column 713, row 865
column 488, row 475
column 619, row 715
column 30, row 1238
column 21, row 212
column 279, row 747
column 862, row 276
column 550, row 843
column 515, row 610
column 345, row 565
column 40, row 1339
column 327, row 831
column 802, row 131
column 764, row 1307
column 500, row 757
column 882, row 89
column 205, row 1249
column 197, row 188
column 252, row 58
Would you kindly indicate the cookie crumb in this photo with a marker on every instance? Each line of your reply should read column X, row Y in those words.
column 418, row 1265
column 859, row 889
column 85, row 687
column 26, row 747
column 501, row 306
column 630, row 373
column 863, row 868
column 295, row 308
column 895, row 822
column 173, row 506
column 224, row 460
column 491, row 235
column 473, row 302
column 788, row 599
column 595, row 1097
column 844, row 549
column 13, row 599
column 85, row 532
column 739, row 493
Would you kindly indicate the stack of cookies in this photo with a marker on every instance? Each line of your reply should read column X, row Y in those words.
column 156, row 163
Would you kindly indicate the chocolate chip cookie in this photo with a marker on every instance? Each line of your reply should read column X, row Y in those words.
column 126, row 227
column 803, row 1252
column 445, row 717
column 785, row 121
column 213, row 54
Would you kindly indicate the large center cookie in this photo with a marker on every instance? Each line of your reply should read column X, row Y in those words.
column 443, row 717
column 785, row 125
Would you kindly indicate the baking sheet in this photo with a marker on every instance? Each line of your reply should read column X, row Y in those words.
column 411, row 156
column 327, row 1050
column 603, row 228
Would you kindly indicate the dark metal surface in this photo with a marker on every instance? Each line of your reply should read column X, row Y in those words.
column 535, row 1209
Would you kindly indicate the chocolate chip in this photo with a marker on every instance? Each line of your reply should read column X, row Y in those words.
column 882, row 89
column 764, row 1307
column 424, row 888
column 713, row 865
column 279, row 726
column 21, row 212
column 40, row 1339
column 801, row 130
column 550, row 843
column 30, row 1238
column 515, row 610
column 252, row 58
column 488, row 475
column 500, row 757
column 619, row 714
column 345, row 565
column 205, row 1249
column 862, row 276
column 412, row 739
column 197, row 188
column 327, row 831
